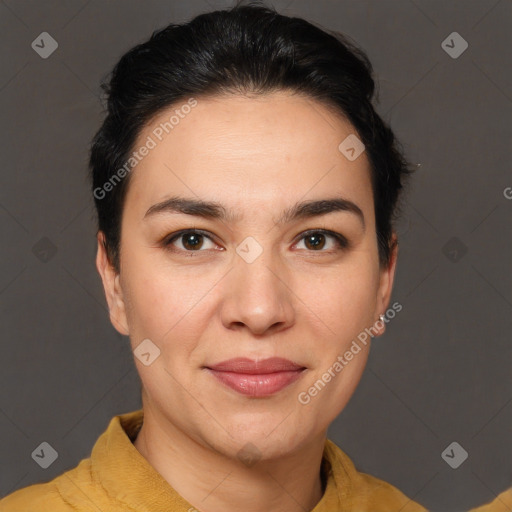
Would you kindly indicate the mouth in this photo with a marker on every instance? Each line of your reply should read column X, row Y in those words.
column 256, row 378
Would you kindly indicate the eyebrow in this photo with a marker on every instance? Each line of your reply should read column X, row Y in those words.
column 216, row 211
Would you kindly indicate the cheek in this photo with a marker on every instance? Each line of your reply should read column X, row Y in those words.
column 165, row 303
column 343, row 299
column 153, row 300
column 346, row 307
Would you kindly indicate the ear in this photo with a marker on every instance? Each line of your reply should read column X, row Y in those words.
column 112, row 287
column 387, row 277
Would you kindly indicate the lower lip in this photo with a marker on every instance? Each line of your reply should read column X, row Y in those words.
column 257, row 385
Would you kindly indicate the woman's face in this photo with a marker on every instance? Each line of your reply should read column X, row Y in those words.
column 252, row 283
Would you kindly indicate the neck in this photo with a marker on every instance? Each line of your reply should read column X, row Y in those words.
column 212, row 482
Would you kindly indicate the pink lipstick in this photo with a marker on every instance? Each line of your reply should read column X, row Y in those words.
column 256, row 378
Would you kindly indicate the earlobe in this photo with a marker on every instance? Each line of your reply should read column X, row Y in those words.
column 112, row 287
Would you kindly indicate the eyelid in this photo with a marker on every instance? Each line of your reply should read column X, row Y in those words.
column 340, row 240
column 168, row 240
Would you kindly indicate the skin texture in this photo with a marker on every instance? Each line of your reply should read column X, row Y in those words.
column 257, row 156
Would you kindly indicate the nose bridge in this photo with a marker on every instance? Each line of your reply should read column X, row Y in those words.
column 256, row 265
column 258, row 296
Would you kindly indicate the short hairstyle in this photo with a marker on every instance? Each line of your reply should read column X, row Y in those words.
column 250, row 50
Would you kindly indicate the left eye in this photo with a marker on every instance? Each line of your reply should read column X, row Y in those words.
column 193, row 238
column 193, row 241
column 317, row 238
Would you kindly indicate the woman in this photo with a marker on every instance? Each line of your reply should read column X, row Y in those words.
column 245, row 190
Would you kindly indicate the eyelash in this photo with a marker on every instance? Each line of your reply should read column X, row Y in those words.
column 341, row 241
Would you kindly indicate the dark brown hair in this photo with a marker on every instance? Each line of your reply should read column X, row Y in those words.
column 248, row 49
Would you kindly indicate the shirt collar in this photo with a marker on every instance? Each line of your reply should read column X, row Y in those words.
column 127, row 477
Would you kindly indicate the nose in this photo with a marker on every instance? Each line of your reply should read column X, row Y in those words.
column 257, row 293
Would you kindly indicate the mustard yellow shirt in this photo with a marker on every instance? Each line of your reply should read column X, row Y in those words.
column 117, row 478
column 502, row 503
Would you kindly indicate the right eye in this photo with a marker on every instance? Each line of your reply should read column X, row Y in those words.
column 191, row 240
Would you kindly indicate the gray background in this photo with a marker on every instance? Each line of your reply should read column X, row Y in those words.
column 441, row 373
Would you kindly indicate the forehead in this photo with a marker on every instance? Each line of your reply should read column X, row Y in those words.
column 245, row 150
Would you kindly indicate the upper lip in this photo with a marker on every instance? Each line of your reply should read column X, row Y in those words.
column 249, row 366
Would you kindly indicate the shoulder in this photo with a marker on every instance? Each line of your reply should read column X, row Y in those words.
column 502, row 503
column 377, row 492
column 34, row 498
column 364, row 491
column 68, row 492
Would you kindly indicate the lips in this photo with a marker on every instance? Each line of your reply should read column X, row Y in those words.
column 256, row 378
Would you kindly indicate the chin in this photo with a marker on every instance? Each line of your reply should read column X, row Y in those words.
column 263, row 439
